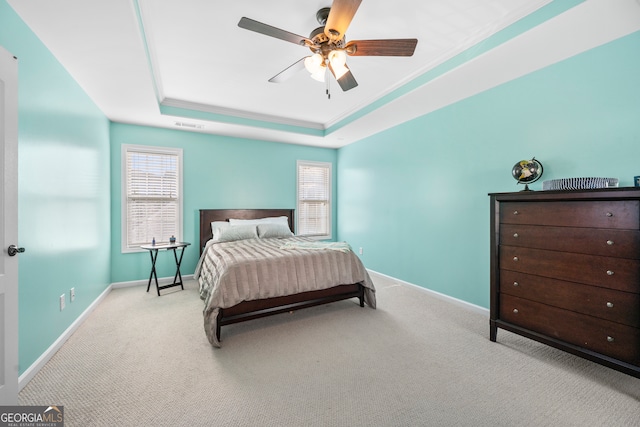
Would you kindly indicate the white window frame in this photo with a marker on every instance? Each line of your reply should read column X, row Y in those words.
column 300, row 201
column 127, row 148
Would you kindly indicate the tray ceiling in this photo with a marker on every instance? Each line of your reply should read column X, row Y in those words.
column 186, row 64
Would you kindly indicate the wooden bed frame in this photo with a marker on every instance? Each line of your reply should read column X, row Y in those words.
column 248, row 310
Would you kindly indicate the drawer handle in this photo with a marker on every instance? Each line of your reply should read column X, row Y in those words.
column 609, row 214
column 610, row 242
column 610, row 339
column 516, row 212
column 516, row 284
column 515, row 235
column 515, row 258
column 610, row 272
column 610, row 304
column 515, row 310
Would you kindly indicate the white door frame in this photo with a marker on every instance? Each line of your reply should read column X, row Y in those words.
column 8, row 228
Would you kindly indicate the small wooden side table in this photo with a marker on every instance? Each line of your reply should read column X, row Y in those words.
column 153, row 251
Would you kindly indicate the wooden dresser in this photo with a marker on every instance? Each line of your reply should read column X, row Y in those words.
column 565, row 271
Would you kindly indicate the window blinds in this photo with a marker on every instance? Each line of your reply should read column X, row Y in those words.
column 314, row 199
column 153, row 196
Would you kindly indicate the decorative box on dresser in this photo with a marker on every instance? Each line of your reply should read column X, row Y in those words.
column 565, row 271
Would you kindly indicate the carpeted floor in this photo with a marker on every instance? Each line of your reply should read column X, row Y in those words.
column 418, row 360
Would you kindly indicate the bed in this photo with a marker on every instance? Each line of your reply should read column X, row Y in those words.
column 253, row 277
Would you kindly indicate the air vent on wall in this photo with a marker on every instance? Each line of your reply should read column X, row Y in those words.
column 189, row 125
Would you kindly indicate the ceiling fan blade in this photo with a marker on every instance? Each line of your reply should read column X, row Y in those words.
column 288, row 72
column 347, row 81
column 268, row 30
column 340, row 16
column 388, row 47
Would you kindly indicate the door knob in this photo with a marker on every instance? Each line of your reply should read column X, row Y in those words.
column 14, row 250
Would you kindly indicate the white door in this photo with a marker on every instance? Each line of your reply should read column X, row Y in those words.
column 8, row 228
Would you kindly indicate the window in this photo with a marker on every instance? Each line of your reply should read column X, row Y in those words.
column 152, row 195
column 314, row 199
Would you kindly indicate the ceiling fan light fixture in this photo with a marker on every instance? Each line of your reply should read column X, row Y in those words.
column 315, row 66
column 319, row 74
column 314, row 63
column 338, row 60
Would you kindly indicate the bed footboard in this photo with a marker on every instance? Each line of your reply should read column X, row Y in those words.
column 248, row 310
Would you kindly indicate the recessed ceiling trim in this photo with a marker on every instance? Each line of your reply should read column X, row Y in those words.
column 235, row 121
column 152, row 58
column 397, row 90
column 483, row 42
column 247, row 118
column 241, row 114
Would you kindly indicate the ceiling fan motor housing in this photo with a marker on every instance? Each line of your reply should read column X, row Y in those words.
column 322, row 43
column 318, row 36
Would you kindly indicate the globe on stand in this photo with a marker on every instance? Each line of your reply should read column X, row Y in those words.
column 526, row 172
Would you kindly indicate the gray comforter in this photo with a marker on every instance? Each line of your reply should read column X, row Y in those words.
column 244, row 270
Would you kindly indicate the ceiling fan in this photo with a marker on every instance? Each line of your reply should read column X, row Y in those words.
column 328, row 45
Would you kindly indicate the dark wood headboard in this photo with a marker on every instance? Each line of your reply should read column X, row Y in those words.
column 209, row 215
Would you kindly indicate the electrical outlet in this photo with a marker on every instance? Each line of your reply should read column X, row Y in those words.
column 360, row 251
column 72, row 294
column 62, row 302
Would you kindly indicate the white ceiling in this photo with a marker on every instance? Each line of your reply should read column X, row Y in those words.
column 162, row 62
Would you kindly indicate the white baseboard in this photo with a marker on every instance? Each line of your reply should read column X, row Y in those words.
column 28, row 375
column 456, row 301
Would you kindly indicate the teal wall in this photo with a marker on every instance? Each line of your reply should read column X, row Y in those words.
column 415, row 197
column 218, row 172
column 63, row 198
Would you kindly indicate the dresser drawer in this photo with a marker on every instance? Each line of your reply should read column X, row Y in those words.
column 595, row 241
column 619, row 341
column 614, row 273
column 622, row 214
column 616, row 306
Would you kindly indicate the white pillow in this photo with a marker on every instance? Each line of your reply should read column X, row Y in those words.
column 268, row 220
column 269, row 230
column 215, row 225
column 238, row 232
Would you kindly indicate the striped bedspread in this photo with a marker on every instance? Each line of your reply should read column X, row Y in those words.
column 244, row 270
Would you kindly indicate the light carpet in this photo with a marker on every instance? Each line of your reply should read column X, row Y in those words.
column 418, row 360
